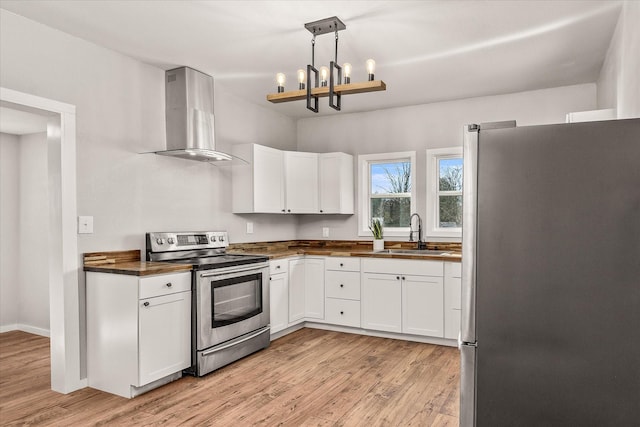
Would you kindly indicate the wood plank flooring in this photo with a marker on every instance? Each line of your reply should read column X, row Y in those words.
column 308, row 378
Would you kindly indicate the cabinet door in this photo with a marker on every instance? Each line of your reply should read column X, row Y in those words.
column 164, row 324
column 296, row 290
column 335, row 172
column 382, row 302
column 279, row 294
column 422, row 306
column 314, row 288
column 268, row 180
column 301, row 182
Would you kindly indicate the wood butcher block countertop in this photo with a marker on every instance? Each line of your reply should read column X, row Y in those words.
column 344, row 248
column 128, row 262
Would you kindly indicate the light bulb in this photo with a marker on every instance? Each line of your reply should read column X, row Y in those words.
column 371, row 68
column 281, row 79
column 302, row 77
column 346, row 67
column 324, row 74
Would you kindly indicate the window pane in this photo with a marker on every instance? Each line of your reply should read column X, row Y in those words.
column 450, row 211
column 392, row 177
column 450, row 174
column 394, row 212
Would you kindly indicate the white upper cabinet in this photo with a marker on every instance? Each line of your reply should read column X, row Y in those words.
column 336, row 183
column 301, row 182
column 275, row 181
column 259, row 185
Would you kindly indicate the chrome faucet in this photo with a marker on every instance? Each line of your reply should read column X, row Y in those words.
column 421, row 244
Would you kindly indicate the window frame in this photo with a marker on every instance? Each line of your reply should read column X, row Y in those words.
column 364, row 188
column 433, row 192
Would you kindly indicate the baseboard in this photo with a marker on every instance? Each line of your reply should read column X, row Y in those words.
column 360, row 331
column 26, row 328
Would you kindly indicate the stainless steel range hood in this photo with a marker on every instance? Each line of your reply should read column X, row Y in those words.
column 189, row 116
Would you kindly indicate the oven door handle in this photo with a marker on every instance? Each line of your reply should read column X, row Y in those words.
column 236, row 341
column 239, row 269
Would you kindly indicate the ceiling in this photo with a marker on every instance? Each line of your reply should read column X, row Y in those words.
column 426, row 51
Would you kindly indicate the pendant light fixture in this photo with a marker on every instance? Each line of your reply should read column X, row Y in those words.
column 326, row 81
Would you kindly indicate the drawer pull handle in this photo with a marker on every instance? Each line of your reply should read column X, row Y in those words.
column 404, row 278
column 342, row 312
column 397, row 277
column 146, row 304
column 277, row 267
column 341, row 265
column 341, row 285
column 169, row 285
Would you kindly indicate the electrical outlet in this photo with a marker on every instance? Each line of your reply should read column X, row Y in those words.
column 249, row 228
column 325, row 231
column 85, row 225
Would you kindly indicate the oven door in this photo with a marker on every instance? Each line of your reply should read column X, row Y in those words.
column 231, row 302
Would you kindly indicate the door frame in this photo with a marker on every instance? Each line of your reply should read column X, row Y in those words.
column 64, row 304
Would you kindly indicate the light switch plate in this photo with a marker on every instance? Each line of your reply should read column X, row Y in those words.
column 85, row 224
column 249, row 228
column 325, row 231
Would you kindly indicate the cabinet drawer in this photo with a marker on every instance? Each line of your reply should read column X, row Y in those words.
column 278, row 266
column 453, row 269
column 342, row 284
column 164, row 284
column 342, row 312
column 342, row 264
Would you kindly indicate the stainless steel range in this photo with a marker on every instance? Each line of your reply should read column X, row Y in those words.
column 230, row 316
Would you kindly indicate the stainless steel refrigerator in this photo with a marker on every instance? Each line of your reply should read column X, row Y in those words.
column 550, row 331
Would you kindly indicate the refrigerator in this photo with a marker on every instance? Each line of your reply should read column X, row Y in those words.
column 550, row 327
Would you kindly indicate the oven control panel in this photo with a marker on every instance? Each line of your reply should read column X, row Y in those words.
column 179, row 241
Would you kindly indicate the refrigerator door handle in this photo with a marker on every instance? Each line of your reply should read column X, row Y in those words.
column 469, row 233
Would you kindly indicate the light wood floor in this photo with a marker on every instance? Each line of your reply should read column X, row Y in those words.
column 308, row 378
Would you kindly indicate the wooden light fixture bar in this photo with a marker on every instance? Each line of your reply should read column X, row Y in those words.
column 345, row 89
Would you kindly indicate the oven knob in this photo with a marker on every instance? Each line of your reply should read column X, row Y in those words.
column 160, row 241
column 170, row 241
column 222, row 238
column 213, row 238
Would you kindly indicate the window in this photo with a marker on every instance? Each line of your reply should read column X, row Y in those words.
column 444, row 192
column 386, row 191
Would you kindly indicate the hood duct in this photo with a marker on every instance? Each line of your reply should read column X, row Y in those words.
column 189, row 116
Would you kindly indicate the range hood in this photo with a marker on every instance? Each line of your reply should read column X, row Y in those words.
column 189, row 116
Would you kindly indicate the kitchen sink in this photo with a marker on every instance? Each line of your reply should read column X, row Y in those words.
column 413, row 252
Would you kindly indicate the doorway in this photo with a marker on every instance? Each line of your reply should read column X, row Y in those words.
column 62, row 265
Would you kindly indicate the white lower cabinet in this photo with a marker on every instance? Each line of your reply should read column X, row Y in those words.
column 452, row 299
column 138, row 330
column 279, row 294
column 382, row 302
column 342, row 291
column 403, row 296
column 296, row 290
column 422, row 308
column 314, row 287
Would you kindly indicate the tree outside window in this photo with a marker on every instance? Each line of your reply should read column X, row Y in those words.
column 444, row 192
column 386, row 191
column 450, row 192
column 390, row 193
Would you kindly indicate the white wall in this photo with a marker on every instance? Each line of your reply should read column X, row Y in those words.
column 120, row 113
column 619, row 81
column 34, row 233
column 425, row 126
column 24, row 302
column 9, row 214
